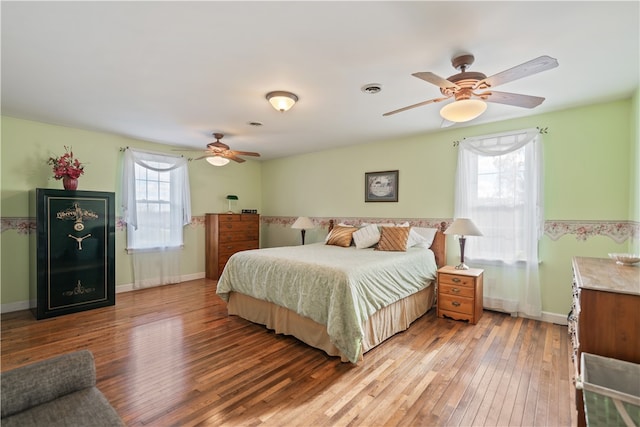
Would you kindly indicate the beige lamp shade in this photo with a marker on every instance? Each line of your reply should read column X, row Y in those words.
column 303, row 223
column 463, row 227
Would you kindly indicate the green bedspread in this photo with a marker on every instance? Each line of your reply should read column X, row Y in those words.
column 335, row 286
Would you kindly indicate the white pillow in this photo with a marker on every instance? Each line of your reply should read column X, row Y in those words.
column 420, row 236
column 366, row 236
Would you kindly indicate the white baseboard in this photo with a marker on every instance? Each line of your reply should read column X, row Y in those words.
column 128, row 287
column 555, row 318
column 16, row 306
column 558, row 319
column 25, row 305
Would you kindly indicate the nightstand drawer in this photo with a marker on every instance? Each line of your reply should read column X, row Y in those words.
column 455, row 303
column 457, row 280
column 457, row 290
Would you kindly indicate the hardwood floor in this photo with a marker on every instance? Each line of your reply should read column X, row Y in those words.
column 171, row 356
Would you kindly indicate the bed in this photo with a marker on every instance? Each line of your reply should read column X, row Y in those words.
column 344, row 300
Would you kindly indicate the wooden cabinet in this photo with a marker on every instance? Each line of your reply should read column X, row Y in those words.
column 460, row 293
column 72, row 252
column 605, row 314
column 227, row 234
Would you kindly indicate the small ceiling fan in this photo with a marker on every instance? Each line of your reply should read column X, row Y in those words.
column 219, row 150
column 469, row 88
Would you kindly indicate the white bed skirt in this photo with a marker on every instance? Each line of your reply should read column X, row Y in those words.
column 381, row 325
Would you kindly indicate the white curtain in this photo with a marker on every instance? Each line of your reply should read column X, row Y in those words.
column 156, row 206
column 499, row 186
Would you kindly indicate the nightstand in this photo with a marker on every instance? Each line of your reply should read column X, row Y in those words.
column 460, row 293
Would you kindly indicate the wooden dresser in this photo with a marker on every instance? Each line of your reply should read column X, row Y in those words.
column 460, row 293
column 605, row 314
column 226, row 234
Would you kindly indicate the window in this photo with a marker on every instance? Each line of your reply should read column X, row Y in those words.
column 156, row 202
column 500, row 203
column 499, row 187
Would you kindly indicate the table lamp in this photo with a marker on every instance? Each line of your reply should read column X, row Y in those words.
column 231, row 197
column 463, row 227
column 303, row 223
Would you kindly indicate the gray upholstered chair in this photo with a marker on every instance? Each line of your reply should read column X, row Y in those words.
column 56, row 392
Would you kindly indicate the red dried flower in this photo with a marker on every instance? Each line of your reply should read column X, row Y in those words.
column 66, row 165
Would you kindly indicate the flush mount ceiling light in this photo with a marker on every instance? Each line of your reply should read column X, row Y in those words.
column 217, row 160
column 463, row 110
column 282, row 100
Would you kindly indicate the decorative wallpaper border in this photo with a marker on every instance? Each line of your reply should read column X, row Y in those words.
column 618, row 231
column 287, row 221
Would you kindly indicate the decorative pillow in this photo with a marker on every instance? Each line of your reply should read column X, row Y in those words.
column 393, row 239
column 366, row 236
column 341, row 236
column 422, row 237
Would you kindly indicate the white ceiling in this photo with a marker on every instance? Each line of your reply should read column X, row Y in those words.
column 175, row 72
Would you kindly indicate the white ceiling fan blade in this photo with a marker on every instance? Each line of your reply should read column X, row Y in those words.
column 515, row 99
column 419, row 104
column 429, row 77
column 528, row 68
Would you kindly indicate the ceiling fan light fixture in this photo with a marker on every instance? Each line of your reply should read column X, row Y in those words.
column 463, row 110
column 282, row 100
column 217, row 160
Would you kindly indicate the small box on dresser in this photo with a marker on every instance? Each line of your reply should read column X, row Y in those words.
column 226, row 234
column 460, row 293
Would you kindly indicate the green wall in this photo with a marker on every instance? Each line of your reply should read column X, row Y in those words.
column 587, row 177
column 634, row 158
column 592, row 162
column 26, row 146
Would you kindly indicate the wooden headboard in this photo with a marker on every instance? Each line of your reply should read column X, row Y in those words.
column 439, row 246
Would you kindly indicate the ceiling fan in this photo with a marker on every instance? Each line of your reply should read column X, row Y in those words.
column 470, row 89
column 218, row 153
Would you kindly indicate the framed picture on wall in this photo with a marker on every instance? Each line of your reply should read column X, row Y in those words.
column 381, row 186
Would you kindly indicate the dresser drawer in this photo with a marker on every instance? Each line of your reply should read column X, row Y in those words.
column 238, row 236
column 457, row 280
column 456, row 290
column 225, row 218
column 456, row 303
column 231, row 226
column 230, row 248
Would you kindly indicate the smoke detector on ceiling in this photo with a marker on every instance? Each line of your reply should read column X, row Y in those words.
column 372, row 88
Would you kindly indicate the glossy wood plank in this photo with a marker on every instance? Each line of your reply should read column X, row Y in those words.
column 171, row 356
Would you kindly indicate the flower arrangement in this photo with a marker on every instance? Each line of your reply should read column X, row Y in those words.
column 66, row 165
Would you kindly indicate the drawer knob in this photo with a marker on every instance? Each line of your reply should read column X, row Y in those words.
column 455, row 280
column 455, row 303
column 455, row 290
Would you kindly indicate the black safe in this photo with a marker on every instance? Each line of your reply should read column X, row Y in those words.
column 72, row 264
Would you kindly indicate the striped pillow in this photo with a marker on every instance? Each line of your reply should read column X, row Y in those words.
column 393, row 239
column 341, row 236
